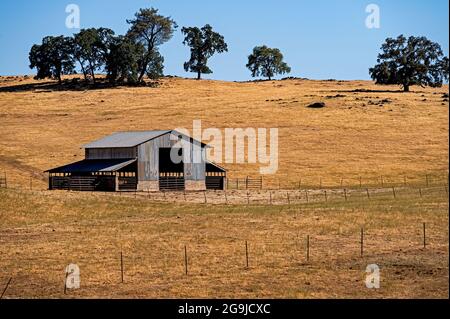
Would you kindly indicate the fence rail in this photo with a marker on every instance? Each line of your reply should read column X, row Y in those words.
column 349, row 182
column 287, row 197
column 3, row 181
column 245, row 183
column 271, row 183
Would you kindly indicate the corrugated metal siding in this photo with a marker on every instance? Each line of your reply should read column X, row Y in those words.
column 195, row 171
column 148, row 160
column 148, row 165
column 111, row 153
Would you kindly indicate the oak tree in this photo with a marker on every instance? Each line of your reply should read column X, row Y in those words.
column 267, row 62
column 150, row 30
column 204, row 43
column 411, row 61
column 53, row 58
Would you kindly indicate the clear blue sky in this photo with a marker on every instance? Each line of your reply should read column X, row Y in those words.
column 320, row 39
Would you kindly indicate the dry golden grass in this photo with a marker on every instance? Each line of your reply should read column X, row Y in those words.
column 41, row 232
column 352, row 136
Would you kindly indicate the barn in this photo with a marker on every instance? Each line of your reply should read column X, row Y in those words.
column 140, row 161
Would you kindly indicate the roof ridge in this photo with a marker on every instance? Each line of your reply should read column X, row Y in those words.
column 128, row 139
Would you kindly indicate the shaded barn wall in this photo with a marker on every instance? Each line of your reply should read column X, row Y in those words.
column 111, row 153
column 148, row 160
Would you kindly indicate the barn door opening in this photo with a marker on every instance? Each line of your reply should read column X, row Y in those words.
column 171, row 175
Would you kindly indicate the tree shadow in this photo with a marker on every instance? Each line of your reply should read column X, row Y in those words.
column 371, row 91
column 67, row 85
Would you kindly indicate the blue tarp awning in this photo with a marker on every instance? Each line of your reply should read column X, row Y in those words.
column 213, row 167
column 91, row 166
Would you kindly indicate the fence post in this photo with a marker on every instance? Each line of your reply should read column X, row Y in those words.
column 393, row 191
column 368, row 195
column 424, row 235
column 65, row 280
column 270, row 197
column 226, row 198
column 360, row 182
column 288, row 199
column 6, row 287
column 121, row 266
column 420, row 192
column 246, row 254
column 362, row 241
column 326, row 196
column 246, row 183
column 307, row 248
column 248, row 197
column 307, row 198
column 204, row 194
column 345, row 194
column 185, row 260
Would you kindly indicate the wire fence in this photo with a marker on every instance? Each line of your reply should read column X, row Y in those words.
column 285, row 197
column 267, row 197
column 218, row 257
column 215, row 258
column 347, row 181
column 26, row 180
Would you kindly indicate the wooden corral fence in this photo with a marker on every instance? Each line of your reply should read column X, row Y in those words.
column 3, row 181
column 87, row 183
column 171, row 182
column 351, row 182
column 245, row 183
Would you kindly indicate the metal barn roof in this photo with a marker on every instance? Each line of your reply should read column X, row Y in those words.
column 132, row 139
column 89, row 166
column 125, row 139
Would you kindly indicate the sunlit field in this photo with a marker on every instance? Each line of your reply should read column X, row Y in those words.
column 372, row 163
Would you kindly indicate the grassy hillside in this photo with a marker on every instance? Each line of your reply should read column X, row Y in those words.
column 365, row 129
